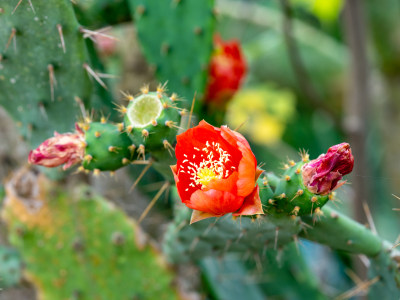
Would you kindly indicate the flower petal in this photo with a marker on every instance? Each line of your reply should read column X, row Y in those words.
column 251, row 204
column 215, row 202
column 199, row 215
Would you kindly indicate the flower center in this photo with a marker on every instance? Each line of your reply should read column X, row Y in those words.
column 212, row 162
column 204, row 176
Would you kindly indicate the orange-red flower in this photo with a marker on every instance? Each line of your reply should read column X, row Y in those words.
column 227, row 69
column 67, row 149
column 216, row 172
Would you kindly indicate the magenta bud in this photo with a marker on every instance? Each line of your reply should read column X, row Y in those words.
column 66, row 148
column 322, row 175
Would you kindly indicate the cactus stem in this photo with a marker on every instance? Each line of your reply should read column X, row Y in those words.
column 146, row 168
column 94, row 75
column 11, row 38
column 60, row 33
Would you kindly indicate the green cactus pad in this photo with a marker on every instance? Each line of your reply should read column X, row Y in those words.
column 152, row 120
column 79, row 246
column 42, row 58
column 176, row 37
column 107, row 148
column 384, row 272
column 218, row 236
column 289, row 195
column 10, row 267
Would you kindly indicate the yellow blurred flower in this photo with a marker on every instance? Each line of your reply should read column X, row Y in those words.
column 263, row 113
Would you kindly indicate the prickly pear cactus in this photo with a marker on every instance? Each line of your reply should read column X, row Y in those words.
column 42, row 66
column 152, row 120
column 384, row 274
column 77, row 245
column 10, row 267
column 176, row 37
column 222, row 235
column 107, row 147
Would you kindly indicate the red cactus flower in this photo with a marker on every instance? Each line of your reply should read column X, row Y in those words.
column 227, row 69
column 322, row 175
column 67, row 148
column 216, row 172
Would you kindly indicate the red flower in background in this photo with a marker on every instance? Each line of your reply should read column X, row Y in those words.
column 227, row 69
column 322, row 175
column 67, row 148
column 216, row 172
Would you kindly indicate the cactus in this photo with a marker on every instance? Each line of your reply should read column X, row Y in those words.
column 289, row 195
column 107, row 148
column 102, row 13
column 42, row 66
column 151, row 120
column 77, row 245
column 10, row 267
column 176, row 37
column 220, row 236
column 384, row 274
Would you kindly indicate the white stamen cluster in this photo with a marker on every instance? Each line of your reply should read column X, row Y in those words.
column 213, row 165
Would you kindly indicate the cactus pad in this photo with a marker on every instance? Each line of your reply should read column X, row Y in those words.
column 151, row 120
column 107, row 148
column 290, row 196
column 176, row 37
column 79, row 246
column 10, row 267
column 42, row 59
column 218, row 236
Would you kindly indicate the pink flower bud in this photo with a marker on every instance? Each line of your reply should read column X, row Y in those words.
column 322, row 175
column 66, row 148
